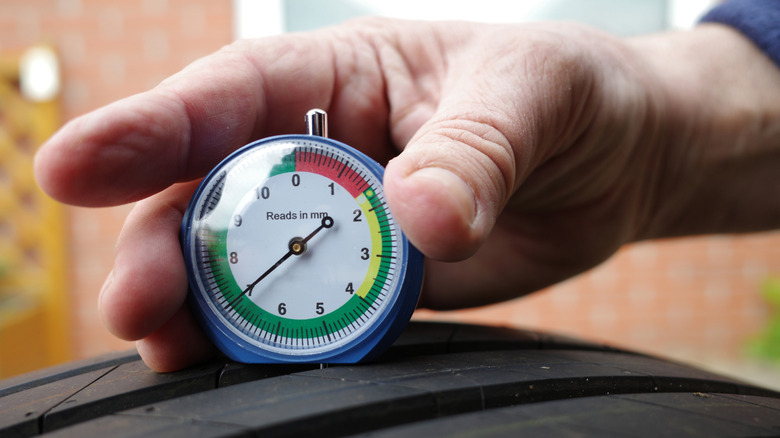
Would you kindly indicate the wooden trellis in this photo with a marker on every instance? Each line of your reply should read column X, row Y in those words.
column 33, row 287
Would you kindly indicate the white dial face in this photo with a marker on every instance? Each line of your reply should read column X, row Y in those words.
column 315, row 280
column 296, row 249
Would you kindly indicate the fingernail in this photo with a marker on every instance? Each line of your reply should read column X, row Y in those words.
column 450, row 184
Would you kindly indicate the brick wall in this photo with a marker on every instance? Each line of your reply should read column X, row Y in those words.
column 694, row 299
column 109, row 49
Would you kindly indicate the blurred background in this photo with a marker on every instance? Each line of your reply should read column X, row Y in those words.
column 713, row 301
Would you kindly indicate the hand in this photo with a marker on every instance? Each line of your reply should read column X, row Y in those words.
column 528, row 154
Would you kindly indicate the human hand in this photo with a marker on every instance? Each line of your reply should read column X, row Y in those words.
column 537, row 151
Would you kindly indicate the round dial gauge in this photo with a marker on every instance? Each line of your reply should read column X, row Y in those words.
column 294, row 256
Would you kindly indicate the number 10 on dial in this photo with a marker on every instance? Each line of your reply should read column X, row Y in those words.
column 293, row 255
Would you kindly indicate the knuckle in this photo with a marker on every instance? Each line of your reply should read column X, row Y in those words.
column 480, row 149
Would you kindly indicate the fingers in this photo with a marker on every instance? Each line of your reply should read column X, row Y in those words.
column 149, row 282
column 177, row 131
column 144, row 297
column 176, row 345
column 447, row 206
column 511, row 101
column 453, row 178
column 457, row 170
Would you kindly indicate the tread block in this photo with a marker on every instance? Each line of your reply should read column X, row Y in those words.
column 127, row 386
column 20, row 412
column 299, row 404
column 59, row 372
column 738, row 409
column 651, row 415
column 234, row 373
column 127, row 426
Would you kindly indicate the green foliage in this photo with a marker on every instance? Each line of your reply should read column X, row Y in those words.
column 767, row 345
column 771, row 291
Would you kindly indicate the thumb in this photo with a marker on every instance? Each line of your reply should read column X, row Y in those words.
column 452, row 180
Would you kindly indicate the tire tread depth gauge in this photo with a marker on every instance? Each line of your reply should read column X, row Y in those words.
column 293, row 255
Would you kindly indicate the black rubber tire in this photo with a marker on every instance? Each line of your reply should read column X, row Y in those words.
column 437, row 380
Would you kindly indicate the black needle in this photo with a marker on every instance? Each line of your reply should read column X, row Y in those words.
column 297, row 246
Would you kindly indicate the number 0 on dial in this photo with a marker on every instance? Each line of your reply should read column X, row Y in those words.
column 293, row 255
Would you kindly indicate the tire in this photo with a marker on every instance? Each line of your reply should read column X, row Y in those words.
column 437, row 380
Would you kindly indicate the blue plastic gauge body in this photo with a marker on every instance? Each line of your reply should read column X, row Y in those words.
column 292, row 254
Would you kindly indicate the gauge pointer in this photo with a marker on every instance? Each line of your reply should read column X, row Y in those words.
column 297, row 246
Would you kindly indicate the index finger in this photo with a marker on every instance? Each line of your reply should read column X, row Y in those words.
column 138, row 146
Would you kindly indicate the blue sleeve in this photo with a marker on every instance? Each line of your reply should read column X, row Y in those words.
column 758, row 20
